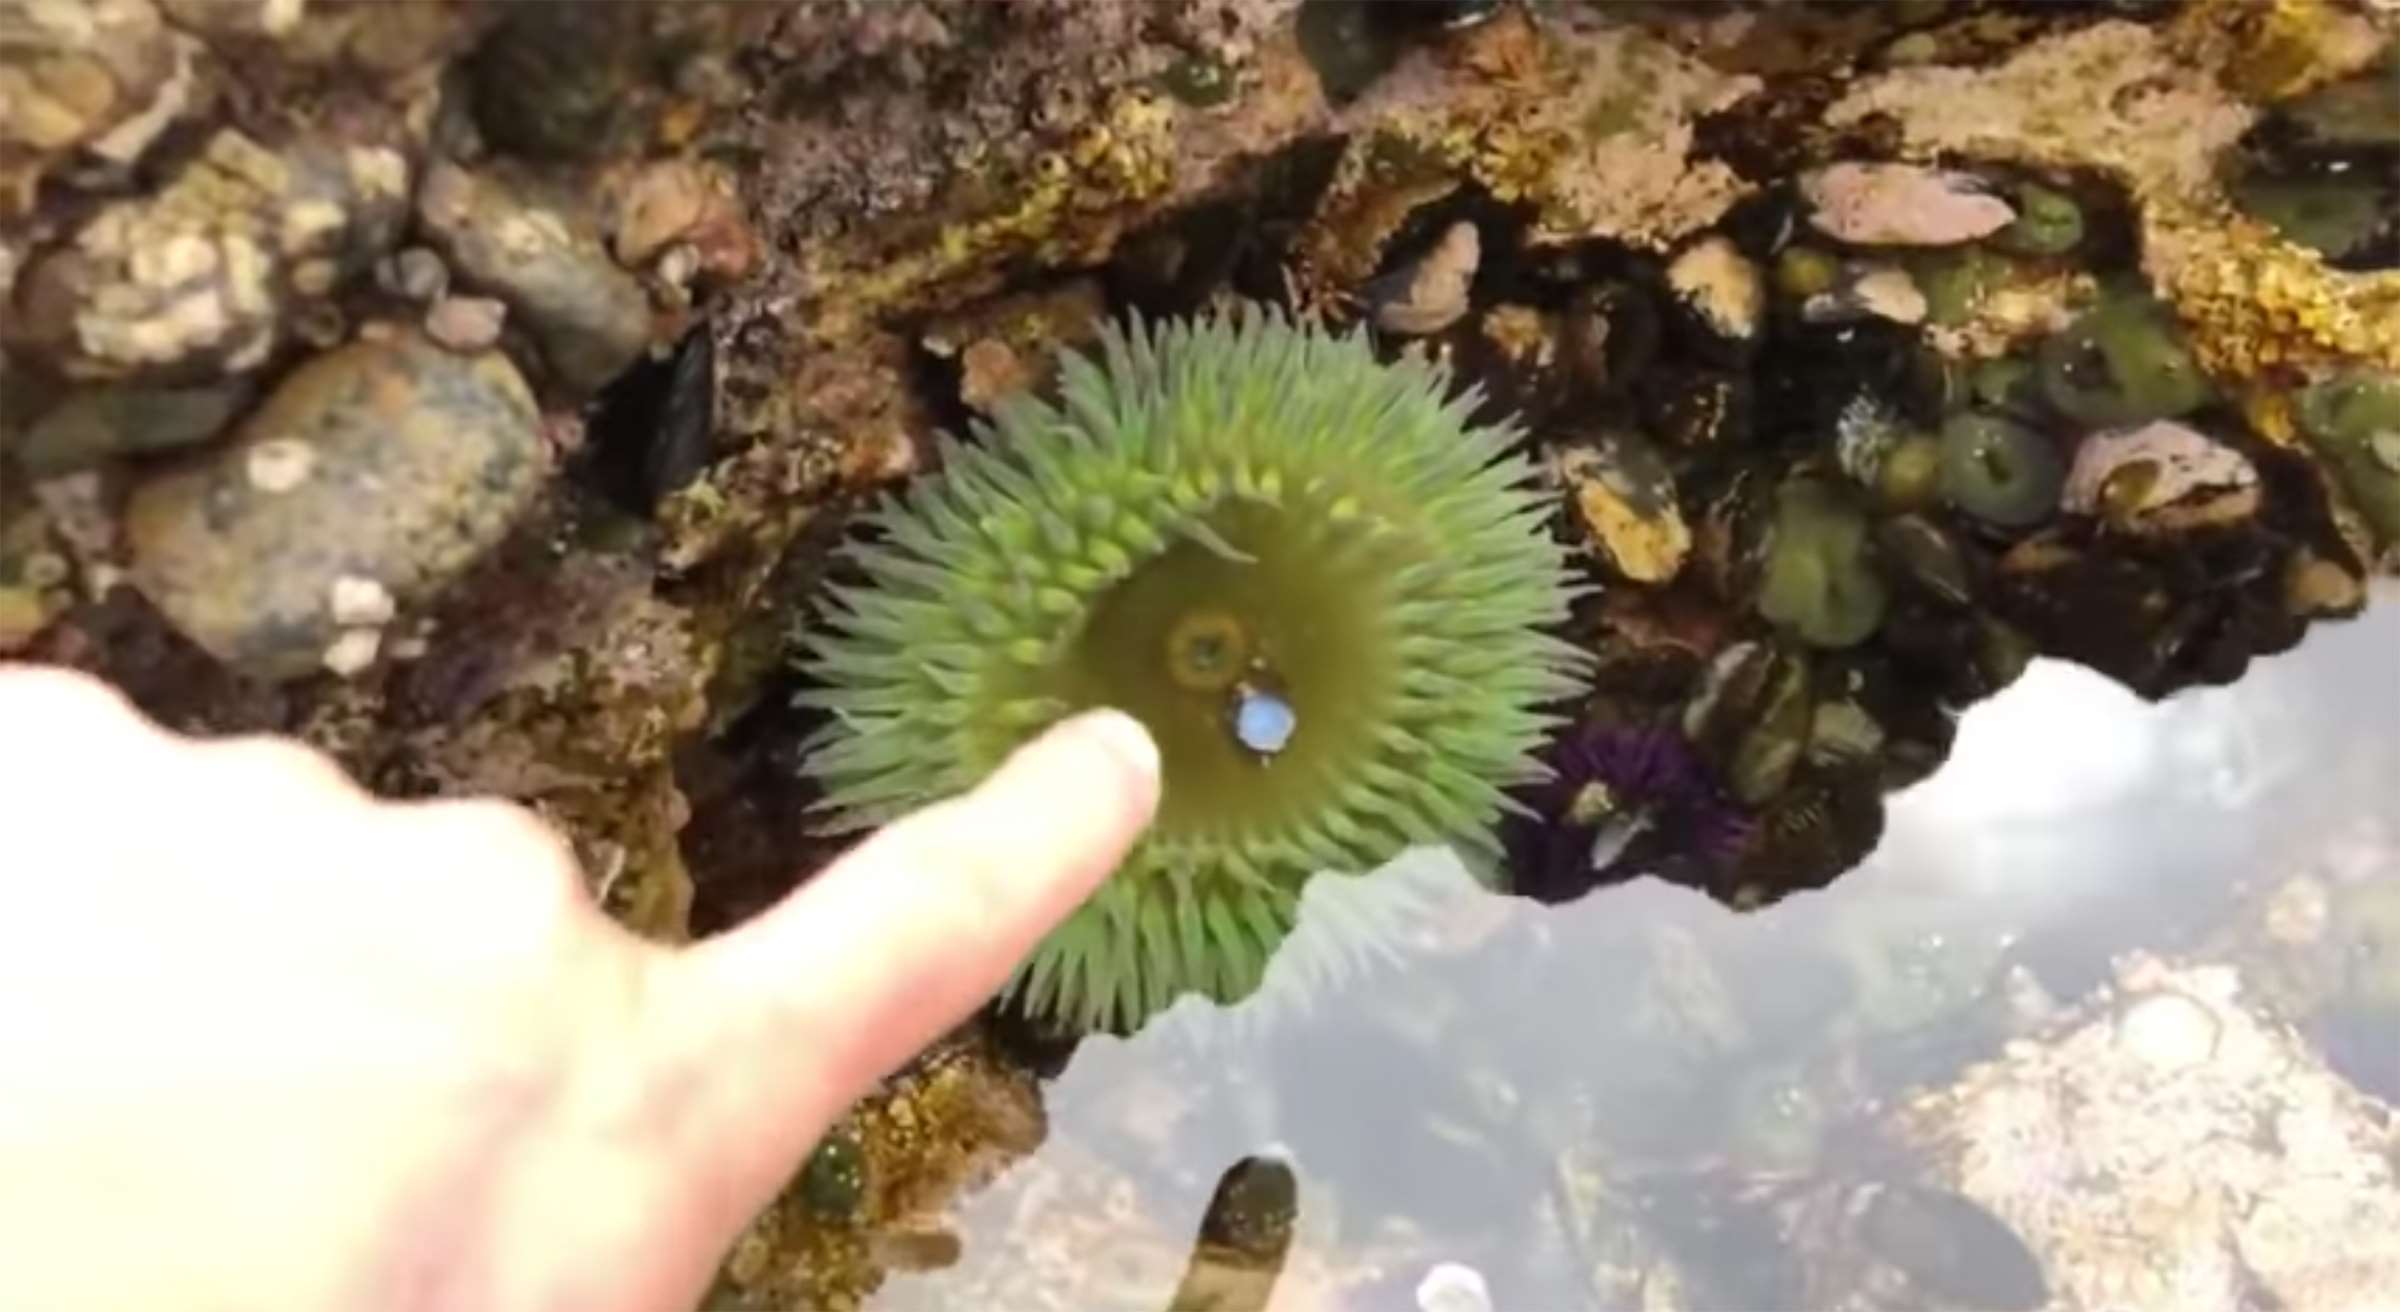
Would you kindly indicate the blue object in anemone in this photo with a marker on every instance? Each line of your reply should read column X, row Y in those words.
column 1623, row 801
column 1262, row 721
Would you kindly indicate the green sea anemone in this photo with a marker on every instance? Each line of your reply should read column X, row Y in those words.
column 2000, row 471
column 1323, row 590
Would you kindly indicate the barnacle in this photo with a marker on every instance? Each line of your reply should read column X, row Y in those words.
column 1320, row 587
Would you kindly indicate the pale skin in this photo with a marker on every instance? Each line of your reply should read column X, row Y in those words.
column 267, row 1042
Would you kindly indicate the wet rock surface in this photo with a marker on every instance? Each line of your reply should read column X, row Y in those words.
column 2072, row 329
column 369, row 477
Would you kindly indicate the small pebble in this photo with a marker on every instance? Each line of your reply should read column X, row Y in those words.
column 1430, row 294
column 466, row 323
column 279, row 465
column 353, row 651
column 990, row 372
column 356, row 601
column 416, row 274
column 1453, row 1287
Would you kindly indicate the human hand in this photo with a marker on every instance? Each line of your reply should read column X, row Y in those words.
column 267, row 1042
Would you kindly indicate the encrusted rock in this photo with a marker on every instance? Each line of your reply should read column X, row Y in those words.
column 105, row 76
column 543, row 256
column 1901, row 205
column 2169, row 1146
column 200, row 274
column 388, row 464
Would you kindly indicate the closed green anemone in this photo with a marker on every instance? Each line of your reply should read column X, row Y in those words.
column 1218, row 516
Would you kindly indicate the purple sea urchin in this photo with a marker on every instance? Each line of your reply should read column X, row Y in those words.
column 1619, row 796
column 1317, row 584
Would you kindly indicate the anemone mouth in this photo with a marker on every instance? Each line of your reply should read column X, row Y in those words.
column 1319, row 587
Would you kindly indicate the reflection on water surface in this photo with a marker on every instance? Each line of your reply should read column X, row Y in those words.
column 1453, row 1100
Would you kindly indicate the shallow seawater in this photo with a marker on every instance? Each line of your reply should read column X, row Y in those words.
column 1643, row 1099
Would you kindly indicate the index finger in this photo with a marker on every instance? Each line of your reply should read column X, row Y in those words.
column 909, row 931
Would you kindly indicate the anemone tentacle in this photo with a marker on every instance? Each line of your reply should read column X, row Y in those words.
column 1228, row 507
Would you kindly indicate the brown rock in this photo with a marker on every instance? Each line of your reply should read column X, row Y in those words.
column 541, row 253
column 381, row 467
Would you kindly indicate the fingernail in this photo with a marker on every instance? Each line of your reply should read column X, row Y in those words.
column 1123, row 737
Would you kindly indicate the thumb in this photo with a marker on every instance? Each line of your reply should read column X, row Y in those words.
column 794, row 1014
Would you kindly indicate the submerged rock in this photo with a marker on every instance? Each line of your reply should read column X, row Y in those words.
column 370, row 476
column 2168, row 1145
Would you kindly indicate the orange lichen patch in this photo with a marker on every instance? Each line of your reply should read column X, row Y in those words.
column 1591, row 126
column 2253, row 301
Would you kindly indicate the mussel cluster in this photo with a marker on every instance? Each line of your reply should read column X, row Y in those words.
column 1835, row 482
